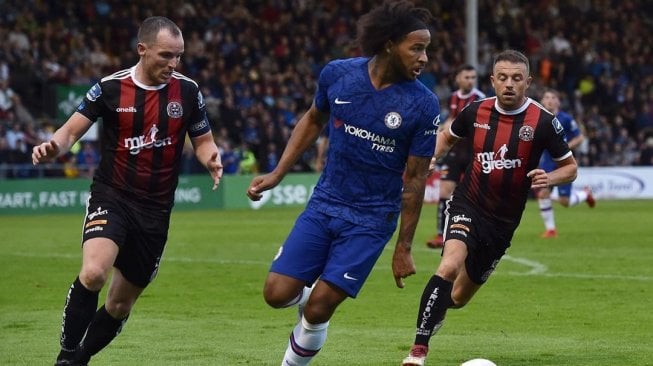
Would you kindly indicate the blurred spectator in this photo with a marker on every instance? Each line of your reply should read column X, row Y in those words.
column 646, row 155
column 258, row 61
column 11, row 107
column 5, row 157
column 230, row 158
column 87, row 159
column 272, row 157
column 248, row 161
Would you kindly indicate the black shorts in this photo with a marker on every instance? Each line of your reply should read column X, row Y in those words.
column 453, row 165
column 139, row 231
column 487, row 240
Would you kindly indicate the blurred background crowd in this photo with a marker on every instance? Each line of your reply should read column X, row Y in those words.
column 257, row 62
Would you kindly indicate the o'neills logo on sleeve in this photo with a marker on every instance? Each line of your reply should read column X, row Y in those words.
column 136, row 144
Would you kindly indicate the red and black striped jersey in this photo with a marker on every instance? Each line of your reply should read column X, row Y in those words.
column 506, row 145
column 143, row 131
column 457, row 102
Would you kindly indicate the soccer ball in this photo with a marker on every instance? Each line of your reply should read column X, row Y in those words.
column 478, row 362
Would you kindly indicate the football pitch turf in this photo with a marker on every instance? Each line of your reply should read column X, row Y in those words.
column 584, row 298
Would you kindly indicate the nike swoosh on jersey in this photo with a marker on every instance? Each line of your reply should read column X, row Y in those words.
column 348, row 277
column 338, row 101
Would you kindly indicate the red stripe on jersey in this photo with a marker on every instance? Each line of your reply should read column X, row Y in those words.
column 483, row 114
column 500, row 148
column 151, row 132
column 456, row 103
column 126, row 127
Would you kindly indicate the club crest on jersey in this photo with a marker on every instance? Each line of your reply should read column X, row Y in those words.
column 526, row 133
column 392, row 120
column 174, row 110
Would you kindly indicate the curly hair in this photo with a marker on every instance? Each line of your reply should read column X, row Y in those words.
column 390, row 21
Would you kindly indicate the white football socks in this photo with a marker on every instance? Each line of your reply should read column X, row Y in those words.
column 305, row 342
column 577, row 197
column 546, row 211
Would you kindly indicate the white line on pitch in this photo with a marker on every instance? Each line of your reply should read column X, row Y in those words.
column 536, row 269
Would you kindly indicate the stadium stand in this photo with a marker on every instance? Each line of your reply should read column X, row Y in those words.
column 257, row 62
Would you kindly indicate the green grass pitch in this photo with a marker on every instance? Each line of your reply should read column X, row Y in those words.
column 584, row 298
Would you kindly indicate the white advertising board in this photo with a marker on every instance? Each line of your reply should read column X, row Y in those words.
column 617, row 182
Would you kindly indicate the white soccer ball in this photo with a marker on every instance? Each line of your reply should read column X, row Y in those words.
column 478, row 362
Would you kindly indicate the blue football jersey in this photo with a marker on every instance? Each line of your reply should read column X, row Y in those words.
column 371, row 134
column 571, row 130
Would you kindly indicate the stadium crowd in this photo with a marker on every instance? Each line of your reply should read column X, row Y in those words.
column 257, row 62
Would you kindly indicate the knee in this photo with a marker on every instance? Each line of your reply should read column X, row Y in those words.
column 458, row 302
column 277, row 296
column 93, row 277
column 273, row 298
column 119, row 309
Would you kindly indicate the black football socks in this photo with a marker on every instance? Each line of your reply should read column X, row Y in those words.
column 81, row 304
column 102, row 330
column 436, row 299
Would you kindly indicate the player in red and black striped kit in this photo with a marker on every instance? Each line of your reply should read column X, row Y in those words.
column 508, row 134
column 453, row 165
column 146, row 112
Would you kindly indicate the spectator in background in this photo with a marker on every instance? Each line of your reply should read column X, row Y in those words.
column 646, row 155
column 5, row 156
column 230, row 158
column 272, row 157
column 594, row 54
column 11, row 106
column 248, row 162
column 87, row 159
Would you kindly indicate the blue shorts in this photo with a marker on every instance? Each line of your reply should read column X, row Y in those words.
column 549, row 165
column 564, row 190
column 331, row 249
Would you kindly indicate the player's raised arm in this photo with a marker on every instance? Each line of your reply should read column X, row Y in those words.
column 71, row 131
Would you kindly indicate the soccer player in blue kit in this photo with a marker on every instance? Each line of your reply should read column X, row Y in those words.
column 382, row 123
column 567, row 196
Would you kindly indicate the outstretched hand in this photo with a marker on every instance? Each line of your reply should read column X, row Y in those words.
column 261, row 184
column 214, row 165
column 45, row 152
